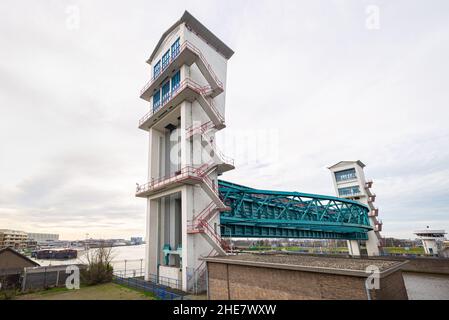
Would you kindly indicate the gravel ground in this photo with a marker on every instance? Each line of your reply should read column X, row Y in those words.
column 311, row 261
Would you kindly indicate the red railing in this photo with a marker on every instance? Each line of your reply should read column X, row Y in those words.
column 187, row 172
column 224, row 159
column 214, row 109
column 201, row 129
column 183, row 85
column 373, row 213
column 208, row 66
column 184, row 173
column 369, row 184
column 208, row 181
column 378, row 226
column 191, row 47
column 201, row 267
column 211, row 207
column 211, row 233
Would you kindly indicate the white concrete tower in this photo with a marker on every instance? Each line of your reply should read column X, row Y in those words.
column 350, row 183
column 429, row 239
column 187, row 106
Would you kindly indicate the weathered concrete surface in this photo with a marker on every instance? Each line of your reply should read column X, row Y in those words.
column 421, row 264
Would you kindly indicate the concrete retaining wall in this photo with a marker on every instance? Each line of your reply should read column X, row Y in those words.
column 236, row 282
column 422, row 264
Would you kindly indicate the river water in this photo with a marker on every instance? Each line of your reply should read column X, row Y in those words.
column 419, row 286
column 125, row 257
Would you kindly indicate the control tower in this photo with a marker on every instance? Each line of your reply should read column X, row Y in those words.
column 350, row 183
column 429, row 239
column 186, row 95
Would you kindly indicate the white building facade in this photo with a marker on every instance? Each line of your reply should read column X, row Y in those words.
column 43, row 237
column 13, row 239
column 431, row 240
column 350, row 183
column 187, row 107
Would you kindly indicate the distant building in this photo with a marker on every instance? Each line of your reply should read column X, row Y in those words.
column 13, row 239
column 350, row 183
column 430, row 239
column 136, row 240
column 43, row 237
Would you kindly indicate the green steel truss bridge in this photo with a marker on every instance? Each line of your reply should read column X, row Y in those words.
column 278, row 214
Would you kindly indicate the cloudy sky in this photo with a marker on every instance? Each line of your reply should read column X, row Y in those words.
column 311, row 83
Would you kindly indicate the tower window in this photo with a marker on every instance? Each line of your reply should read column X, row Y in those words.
column 175, row 49
column 165, row 59
column 157, row 69
column 165, row 92
column 156, row 100
column 349, row 191
column 175, row 81
column 345, row 175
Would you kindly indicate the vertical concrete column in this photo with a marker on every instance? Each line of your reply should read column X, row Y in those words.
column 172, row 228
column 185, row 144
column 372, row 244
column 154, row 151
column 153, row 234
column 188, row 247
column 187, row 193
column 353, row 247
column 152, row 253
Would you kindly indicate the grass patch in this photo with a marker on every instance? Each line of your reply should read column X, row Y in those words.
column 401, row 250
column 106, row 291
column 145, row 293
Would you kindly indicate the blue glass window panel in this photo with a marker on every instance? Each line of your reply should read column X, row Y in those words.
column 157, row 69
column 156, row 100
column 165, row 59
column 349, row 191
column 344, row 175
column 175, row 81
column 175, row 48
column 165, row 92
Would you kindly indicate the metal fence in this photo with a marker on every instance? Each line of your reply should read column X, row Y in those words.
column 45, row 277
column 161, row 292
column 139, row 274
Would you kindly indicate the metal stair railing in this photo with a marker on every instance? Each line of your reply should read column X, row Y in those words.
column 184, row 173
column 202, row 130
column 214, row 236
column 172, row 94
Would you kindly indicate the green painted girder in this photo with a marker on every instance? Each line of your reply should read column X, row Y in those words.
column 305, row 225
column 254, row 211
column 270, row 232
column 223, row 185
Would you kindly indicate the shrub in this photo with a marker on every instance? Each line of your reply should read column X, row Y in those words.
column 99, row 268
